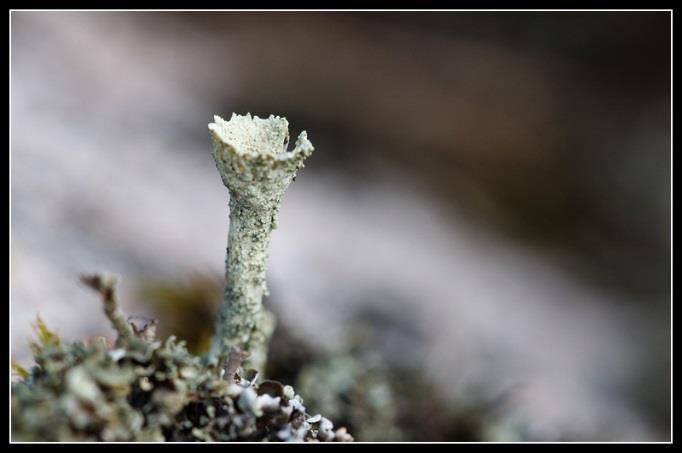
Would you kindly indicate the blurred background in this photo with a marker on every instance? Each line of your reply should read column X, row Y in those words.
column 478, row 249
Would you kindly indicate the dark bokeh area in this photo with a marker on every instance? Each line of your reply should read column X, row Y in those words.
column 458, row 98
column 480, row 242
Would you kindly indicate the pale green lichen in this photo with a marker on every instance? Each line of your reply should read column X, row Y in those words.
column 355, row 389
column 141, row 389
column 105, row 284
column 252, row 158
column 146, row 390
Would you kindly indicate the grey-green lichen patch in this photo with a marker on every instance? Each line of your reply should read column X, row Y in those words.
column 357, row 390
column 253, row 161
column 141, row 389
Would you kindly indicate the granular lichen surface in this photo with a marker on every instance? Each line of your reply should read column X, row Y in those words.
column 142, row 389
column 255, row 165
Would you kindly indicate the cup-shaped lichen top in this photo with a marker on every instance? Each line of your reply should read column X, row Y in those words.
column 252, row 157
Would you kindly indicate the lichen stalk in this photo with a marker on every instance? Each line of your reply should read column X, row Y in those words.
column 105, row 284
column 252, row 158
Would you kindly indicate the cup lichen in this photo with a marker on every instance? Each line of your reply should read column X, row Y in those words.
column 143, row 389
column 252, row 158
